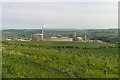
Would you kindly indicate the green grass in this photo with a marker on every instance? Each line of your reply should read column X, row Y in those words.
column 39, row 59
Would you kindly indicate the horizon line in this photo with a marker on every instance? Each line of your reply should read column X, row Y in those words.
column 55, row 28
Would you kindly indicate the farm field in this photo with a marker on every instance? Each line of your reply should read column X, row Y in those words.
column 44, row 59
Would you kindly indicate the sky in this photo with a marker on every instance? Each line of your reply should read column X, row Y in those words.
column 59, row 0
column 18, row 14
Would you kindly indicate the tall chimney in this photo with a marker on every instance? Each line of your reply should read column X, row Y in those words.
column 85, row 38
column 75, row 34
column 42, row 33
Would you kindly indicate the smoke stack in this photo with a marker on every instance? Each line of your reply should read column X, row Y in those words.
column 44, row 26
column 42, row 33
column 85, row 38
column 75, row 34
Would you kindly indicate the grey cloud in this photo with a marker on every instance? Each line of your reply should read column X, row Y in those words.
column 61, row 15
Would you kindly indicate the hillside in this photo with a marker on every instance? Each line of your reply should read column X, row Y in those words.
column 59, row 60
column 106, row 35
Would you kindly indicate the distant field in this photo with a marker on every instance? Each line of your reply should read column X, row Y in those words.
column 39, row 59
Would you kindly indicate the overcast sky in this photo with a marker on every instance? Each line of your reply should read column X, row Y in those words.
column 59, row 0
column 79, row 15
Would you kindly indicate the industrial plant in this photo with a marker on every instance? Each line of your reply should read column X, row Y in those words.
column 41, row 37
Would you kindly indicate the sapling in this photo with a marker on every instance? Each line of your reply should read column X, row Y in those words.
column 106, row 67
column 88, row 63
column 105, row 72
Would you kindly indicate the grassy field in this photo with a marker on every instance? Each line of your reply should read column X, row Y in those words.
column 39, row 59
